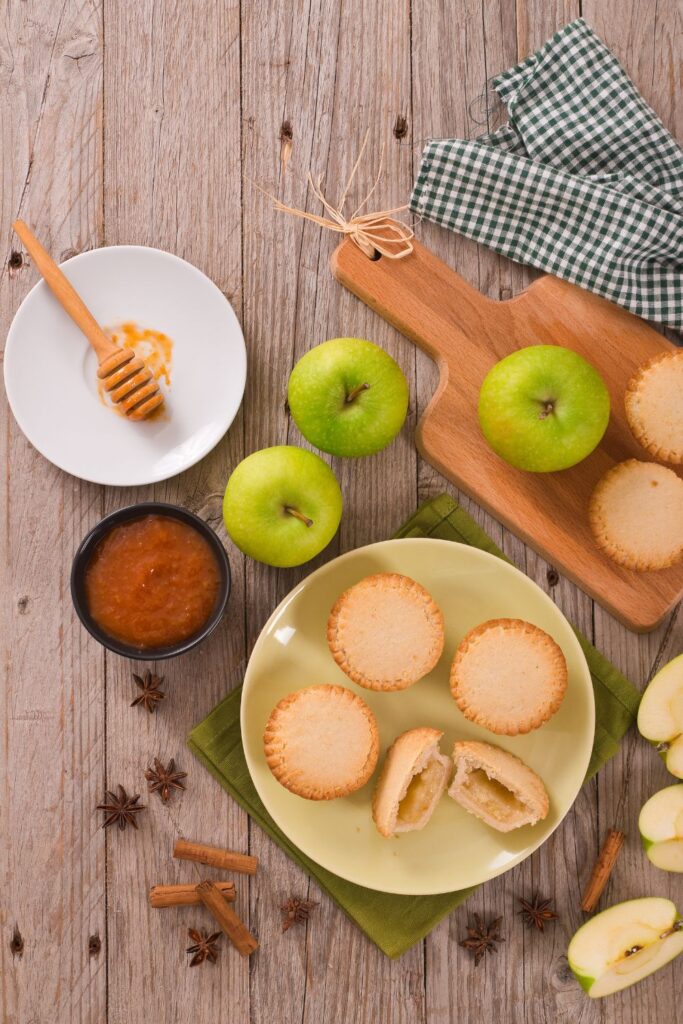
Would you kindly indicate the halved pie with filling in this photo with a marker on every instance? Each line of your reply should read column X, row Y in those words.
column 413, row 778
column 497, row 786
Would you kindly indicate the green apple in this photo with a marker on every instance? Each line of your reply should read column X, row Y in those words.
column 661, row 828
column 625, row 943
column 543, row 408
column 282, row 505
column 660, row 715
column 348, row 397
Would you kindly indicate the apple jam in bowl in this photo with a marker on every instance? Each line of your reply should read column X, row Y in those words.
column 150, row 581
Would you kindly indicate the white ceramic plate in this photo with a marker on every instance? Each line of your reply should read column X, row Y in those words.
column 455, row 849
column 50, row 369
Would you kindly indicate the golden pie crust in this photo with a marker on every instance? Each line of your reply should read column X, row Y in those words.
column 508, row 676
column 321, row 742
column 386, row 632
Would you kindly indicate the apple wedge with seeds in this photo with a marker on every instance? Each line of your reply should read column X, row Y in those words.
column 624, row 944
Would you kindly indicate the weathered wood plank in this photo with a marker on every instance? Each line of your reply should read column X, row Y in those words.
column 172, row 177
column 52, row 738
column 518, row 975
column 647, row 40
column 332, row 70
column 178, row 160
column 549, row 987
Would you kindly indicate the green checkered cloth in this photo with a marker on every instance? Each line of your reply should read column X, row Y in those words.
column 583, row 181
column 395, row 923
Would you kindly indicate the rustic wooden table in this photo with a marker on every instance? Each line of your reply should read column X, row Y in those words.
column 146, row 121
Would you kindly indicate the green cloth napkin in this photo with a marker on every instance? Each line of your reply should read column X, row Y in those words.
column 583, row 181
column 395, row 923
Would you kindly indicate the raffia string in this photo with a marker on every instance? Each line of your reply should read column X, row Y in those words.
column 372, row 232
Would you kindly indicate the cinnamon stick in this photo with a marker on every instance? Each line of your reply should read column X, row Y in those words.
column 184, row 895
column 215, row 857
column 614, row 840
column 236, row 930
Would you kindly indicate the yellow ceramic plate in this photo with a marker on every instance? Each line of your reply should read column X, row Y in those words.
column 455, row 849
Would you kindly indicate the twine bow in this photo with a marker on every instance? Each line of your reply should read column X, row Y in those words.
column 372, row 232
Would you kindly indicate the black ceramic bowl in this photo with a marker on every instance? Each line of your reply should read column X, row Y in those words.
column 87, row 549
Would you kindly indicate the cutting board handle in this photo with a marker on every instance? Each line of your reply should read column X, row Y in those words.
column 420, row 296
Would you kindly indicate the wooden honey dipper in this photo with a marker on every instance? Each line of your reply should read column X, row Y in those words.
column 125, row 376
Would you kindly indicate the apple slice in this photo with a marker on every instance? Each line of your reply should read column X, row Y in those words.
column 624, row 944
column 661, row 828
column 660, row 715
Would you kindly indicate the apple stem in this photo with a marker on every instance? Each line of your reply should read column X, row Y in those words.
column 298, row 515
column 353, row 395
column 546, row 410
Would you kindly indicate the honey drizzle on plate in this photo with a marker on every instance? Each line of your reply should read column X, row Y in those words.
column 154, row 347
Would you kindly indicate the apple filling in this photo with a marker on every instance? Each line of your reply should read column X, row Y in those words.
column 492, row 796
column 421, row 791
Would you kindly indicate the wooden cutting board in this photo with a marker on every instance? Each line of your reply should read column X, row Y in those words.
column 466, row 333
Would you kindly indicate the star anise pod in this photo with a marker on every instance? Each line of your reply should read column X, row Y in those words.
column 121, row 808
column 482, row 938
column 204, row 947
column 296, row 911
column 150, row 691
column 536, row 912
column 162, row 780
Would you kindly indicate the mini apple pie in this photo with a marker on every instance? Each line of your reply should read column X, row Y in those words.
column 497, row 786
column 654, row 406
column 321, row 742
column 509, row 676
column 636, row 515
column 413, row 779
column 386, row 632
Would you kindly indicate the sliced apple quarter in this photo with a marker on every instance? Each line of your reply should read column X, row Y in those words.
column 660, row 715
column 661, row 828
column 624, row 944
